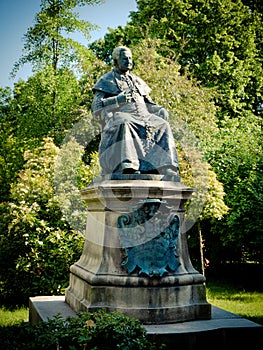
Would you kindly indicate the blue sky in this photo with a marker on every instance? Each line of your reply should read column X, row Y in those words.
column 16, row 16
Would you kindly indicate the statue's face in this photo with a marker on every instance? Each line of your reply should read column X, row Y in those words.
column 124, row 61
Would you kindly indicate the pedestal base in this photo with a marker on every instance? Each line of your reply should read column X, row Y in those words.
column 223, row 331
column 151, row 305
column 148, row 273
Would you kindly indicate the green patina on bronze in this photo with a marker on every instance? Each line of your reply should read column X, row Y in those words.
column 149, row 236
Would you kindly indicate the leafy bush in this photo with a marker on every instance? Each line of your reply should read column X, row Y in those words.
column 70, row 175
column 94, row 331
column 37, row 245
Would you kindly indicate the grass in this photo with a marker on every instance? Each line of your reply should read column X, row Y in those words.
column 246, row 303
column 13, row 317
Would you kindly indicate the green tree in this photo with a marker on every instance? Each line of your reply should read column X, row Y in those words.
column 208, row 200
column 232, row 147
column 11, row 147
column 52, row 99
column 48, row 42
column 48, row 103
column 236, row 156
column 48, row 45
column 192, row 116
column 185, row 99
column 221, row 44
column 72, row 174
column 26, row 117
column 219, row 41
column 37, row 245
column 33, row 106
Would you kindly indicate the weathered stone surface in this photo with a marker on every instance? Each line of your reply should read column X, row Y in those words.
column 100, row 280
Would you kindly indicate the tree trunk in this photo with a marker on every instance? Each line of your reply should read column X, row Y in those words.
column 201, row 246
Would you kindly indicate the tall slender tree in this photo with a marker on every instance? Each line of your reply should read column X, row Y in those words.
column 48, row 42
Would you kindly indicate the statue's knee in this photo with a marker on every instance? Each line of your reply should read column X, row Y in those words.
column 121, row 118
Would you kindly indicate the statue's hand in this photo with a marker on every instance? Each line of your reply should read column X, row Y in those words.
column 163, row 114
column 115, row 101
column 122, row 97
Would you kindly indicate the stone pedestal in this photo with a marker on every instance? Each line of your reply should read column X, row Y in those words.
column 135, row 258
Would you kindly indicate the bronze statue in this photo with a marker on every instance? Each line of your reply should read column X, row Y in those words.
column 136, row 137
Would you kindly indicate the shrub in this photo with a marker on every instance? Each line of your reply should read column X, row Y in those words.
column 37, row 245
column 93, row 331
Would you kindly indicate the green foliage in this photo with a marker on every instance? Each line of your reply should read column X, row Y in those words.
column 232, row 146
column 98, row 330
column 120, row 36
column 219, row 41
column 207, row 201
column 204, row 67
column 37, row 246
column 72, row 174
column 192, row 116
column 237, row 157
column 11, row 147
column 186, row 101
column 46, row 105
column 48, row 42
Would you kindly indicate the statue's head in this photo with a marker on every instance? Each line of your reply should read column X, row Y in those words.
column 122, row 58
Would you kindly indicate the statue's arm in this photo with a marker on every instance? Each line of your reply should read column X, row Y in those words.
column 97, row 104
column 156, row 109
column 102, row 100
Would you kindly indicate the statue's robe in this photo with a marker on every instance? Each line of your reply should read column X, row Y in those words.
column 135, row 134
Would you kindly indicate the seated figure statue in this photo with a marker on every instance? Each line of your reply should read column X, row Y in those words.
column 136, row 137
